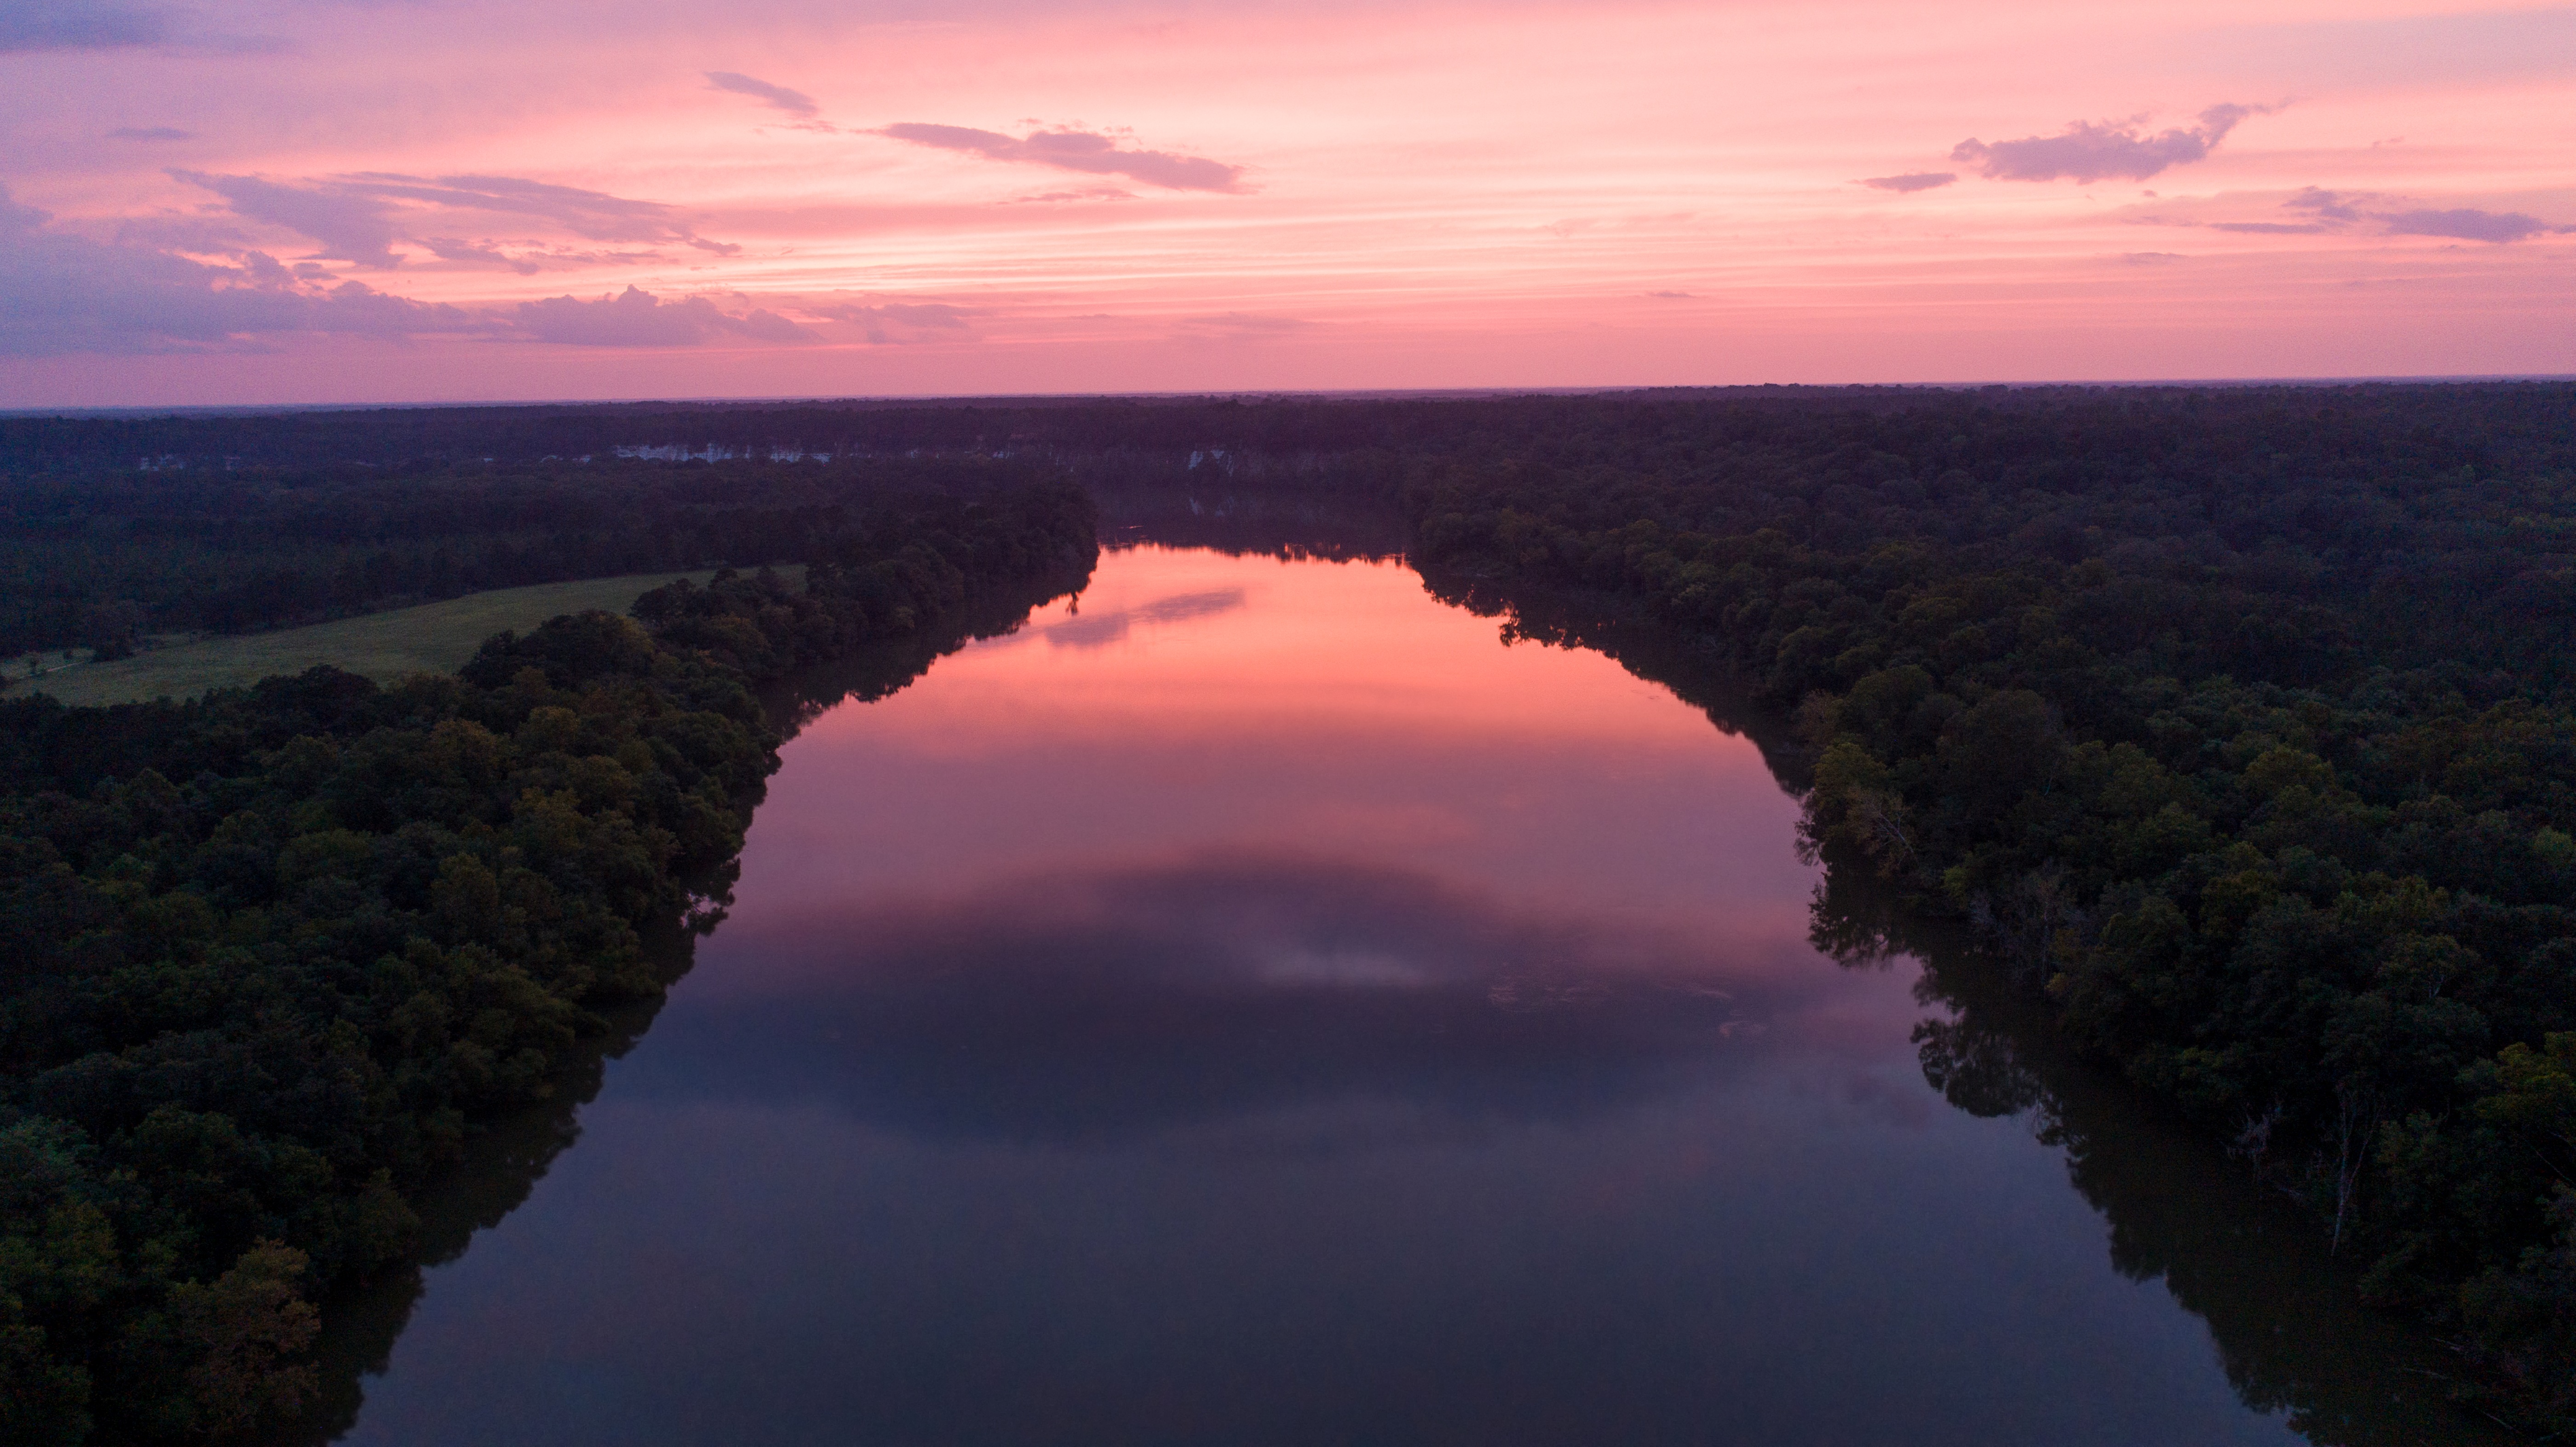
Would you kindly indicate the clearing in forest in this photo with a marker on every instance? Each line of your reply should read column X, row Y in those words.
column 431, row 638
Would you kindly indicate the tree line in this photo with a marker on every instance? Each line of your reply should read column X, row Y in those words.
column 267, row 957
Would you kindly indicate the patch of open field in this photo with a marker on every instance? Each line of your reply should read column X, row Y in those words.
column 432, row 638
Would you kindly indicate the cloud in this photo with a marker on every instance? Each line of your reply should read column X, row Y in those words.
column 1089, row 193
column 777, row 97
column 636, row 318
column 2327, row 205
column 199, row 235
column 1077, row 151
column 150, row 133
column 2324, row 212
column 1241, row 326
column 882, row 320
column 1912, row 181
column 2150, row 258
column 449, row 248
column 2468, row 224
column 1225, row 988
column 358, row 217
column 62, row 293
column 2086, row 151
column 350, row 225
column 30, row 25
column 1099, row 630
column 1673, row 295
column 592, row 215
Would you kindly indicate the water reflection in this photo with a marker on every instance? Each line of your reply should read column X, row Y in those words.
column 505, row 1161
column 1092, row 1007
column 1284, row 1015
column 2291, row 1334
column 1097, row 629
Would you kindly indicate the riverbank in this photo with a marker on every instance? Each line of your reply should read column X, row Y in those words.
column 251, row 1013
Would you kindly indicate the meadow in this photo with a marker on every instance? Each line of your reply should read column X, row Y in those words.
column 430, row 638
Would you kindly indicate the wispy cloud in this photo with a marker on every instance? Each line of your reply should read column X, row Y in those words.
column 450, row 248
column 2088, row 151
column 1240, row 326
column 894, row 321
column 2469, row 224
column 63, row 293
column 777, row 97
column 1077, row 151
column 348, row 224
column 2323, row 204
column 2316, row 211
column 592, row 215
column 1088, row 193
column 1912, row 181
column 637, row 318
column 358, row 218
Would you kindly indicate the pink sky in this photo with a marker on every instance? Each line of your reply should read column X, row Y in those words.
column 354, row 200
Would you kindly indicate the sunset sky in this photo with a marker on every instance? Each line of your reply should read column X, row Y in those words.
column 410, row 200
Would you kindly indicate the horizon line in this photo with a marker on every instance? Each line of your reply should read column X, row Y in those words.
column 1349, row 394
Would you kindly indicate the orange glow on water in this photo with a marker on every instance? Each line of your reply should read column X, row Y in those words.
column 1192, row 703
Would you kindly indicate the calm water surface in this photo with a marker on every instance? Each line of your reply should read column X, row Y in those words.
column 1256, row 1005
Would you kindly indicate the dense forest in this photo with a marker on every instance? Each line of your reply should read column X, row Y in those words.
column 272, row 954
column 2245, row 734
column 2239, row 723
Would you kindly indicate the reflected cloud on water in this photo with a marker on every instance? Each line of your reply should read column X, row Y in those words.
column 1072, row 1006
column 1099, row 630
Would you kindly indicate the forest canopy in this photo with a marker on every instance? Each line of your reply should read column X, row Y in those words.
column 271, row 954
column 2244, row 729
column 2240, row 721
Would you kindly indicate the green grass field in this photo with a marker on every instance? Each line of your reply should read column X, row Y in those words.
column 432, row 638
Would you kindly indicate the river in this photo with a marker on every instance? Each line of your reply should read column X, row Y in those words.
column 1259, row 1001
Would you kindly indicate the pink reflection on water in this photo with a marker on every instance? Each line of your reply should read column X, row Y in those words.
column 1336, row 709
column 1192, row 707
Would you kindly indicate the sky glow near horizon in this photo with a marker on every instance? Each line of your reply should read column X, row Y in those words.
column 270, row 201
